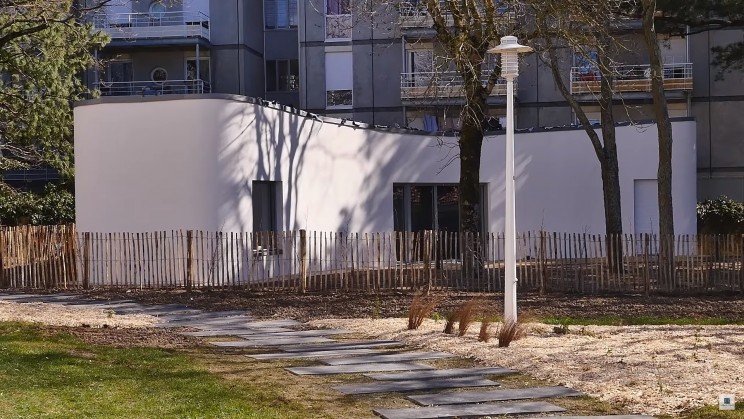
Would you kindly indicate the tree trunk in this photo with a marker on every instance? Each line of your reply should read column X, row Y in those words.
column 470, row 142
column 609, row 166
column 664, row 128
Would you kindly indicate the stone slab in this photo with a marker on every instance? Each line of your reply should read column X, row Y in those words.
column 233, row 332
column 477, row 410
column 596, row 417
column 274, row 323
column 413, row 385
column 254, row 343
column 315, row 354
column 297, row 333
column 464, row 397
column 344, row 345
column 357, row 368
column 396, row 357
column 447, row 373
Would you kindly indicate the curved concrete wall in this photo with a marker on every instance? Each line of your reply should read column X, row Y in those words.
column 147, row 164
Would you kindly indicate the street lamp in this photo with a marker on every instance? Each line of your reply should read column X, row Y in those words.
column 509, row 50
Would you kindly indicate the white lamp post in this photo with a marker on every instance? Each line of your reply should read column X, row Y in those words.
column 509, row 50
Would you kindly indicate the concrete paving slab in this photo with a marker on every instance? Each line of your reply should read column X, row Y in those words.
column 237, row 331
column 396, row 357
column 274, row 323
column 357, row 368
column 345, row 345
column 269, row 342
column 478, row 410
column 315, row 354
column 296, row 333
column 413, row 385
column 464, row 397
column 447, row 373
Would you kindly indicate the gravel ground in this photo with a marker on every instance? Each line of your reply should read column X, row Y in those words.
column 649, row 369
column 60, row 315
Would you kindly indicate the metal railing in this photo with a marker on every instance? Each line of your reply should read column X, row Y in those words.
column 631, row 78
column 441, row 84
column 413, row 14
column 148, row 26
column 151, row 88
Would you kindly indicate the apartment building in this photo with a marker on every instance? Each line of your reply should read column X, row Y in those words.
column 329, row 57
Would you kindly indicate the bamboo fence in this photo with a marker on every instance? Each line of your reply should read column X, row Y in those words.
column 59, row 257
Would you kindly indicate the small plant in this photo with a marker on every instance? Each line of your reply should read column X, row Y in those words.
column 436, row 317
column 562, row 328
column 510, row 331
column 485, row 334
column 466, row 314
column 451, row 320
column 421, row 308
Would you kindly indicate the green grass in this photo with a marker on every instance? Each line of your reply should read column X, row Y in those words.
column 639, row 321
column 712, row 412
column 58, row 376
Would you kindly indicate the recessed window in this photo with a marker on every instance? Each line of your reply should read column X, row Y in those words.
column 338, row 20
column 280, row 14
column 157, row 9
column 339, row 79
column 159, row 75
column 339, row 98
column 282, row 75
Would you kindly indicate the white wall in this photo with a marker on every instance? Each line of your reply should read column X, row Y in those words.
column 169, row 163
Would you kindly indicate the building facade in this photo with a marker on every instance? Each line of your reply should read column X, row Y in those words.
column 331, row 58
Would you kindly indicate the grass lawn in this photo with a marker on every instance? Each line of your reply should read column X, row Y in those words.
column 57, row 375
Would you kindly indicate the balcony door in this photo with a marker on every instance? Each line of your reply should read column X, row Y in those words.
column 420, row 64
column 117, row 78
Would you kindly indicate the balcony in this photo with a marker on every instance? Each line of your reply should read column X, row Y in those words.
column 434, row 86
column 151, row 88
column 133, row 26
column 413, row 14
column 631, row 79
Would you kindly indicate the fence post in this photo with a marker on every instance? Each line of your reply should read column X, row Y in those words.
column 541, row 263
column 189, row 259
column 741, row 266
column 303, row 261
column 646, row 274
column 2, row 259
column 86, row 260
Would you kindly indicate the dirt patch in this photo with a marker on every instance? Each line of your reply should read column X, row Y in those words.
column 129, row 337
column 649, row 369
column 351, row 305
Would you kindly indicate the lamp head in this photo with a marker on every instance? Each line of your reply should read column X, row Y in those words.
column 509, row 50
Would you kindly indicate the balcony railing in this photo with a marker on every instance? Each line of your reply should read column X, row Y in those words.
column 413, row 14
column 151, row 88
column 631, row 78
column 441, row 85
column 152, row 26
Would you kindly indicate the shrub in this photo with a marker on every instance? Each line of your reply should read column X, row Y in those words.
column 421, row 308
column 720, row 216
column 54, row 206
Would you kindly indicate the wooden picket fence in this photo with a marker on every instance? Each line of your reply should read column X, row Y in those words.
column 51, row 257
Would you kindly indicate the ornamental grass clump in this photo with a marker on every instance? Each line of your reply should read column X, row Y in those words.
column 466, row 315
column 421, row 308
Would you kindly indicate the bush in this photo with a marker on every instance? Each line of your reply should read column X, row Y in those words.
column 55, row 205
column 720, row 216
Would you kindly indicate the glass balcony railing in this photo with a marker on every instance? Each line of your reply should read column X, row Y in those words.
column 441, row 85
column 153, row 26
column 151, row 88
column 631, row 78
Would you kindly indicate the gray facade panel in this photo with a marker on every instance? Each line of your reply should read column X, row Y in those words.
column 281, row 44
column 727, row 132
column 312, row 84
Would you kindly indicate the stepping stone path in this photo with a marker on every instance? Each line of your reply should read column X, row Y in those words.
column 392, row 371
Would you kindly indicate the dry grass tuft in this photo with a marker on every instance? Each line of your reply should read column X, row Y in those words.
column 485, row 334
column 466, row 314
column 511, row 331
column 449, row 327
column 421, row 308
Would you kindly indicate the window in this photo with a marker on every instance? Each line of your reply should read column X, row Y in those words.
column 339, row 80
column 338, row 20
column 203, row 69
column 430, row 207
column 280, row 14
column 159, row 75
column 282, row 75
column 265, row 197
column 157, row 9
column 118, row 71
